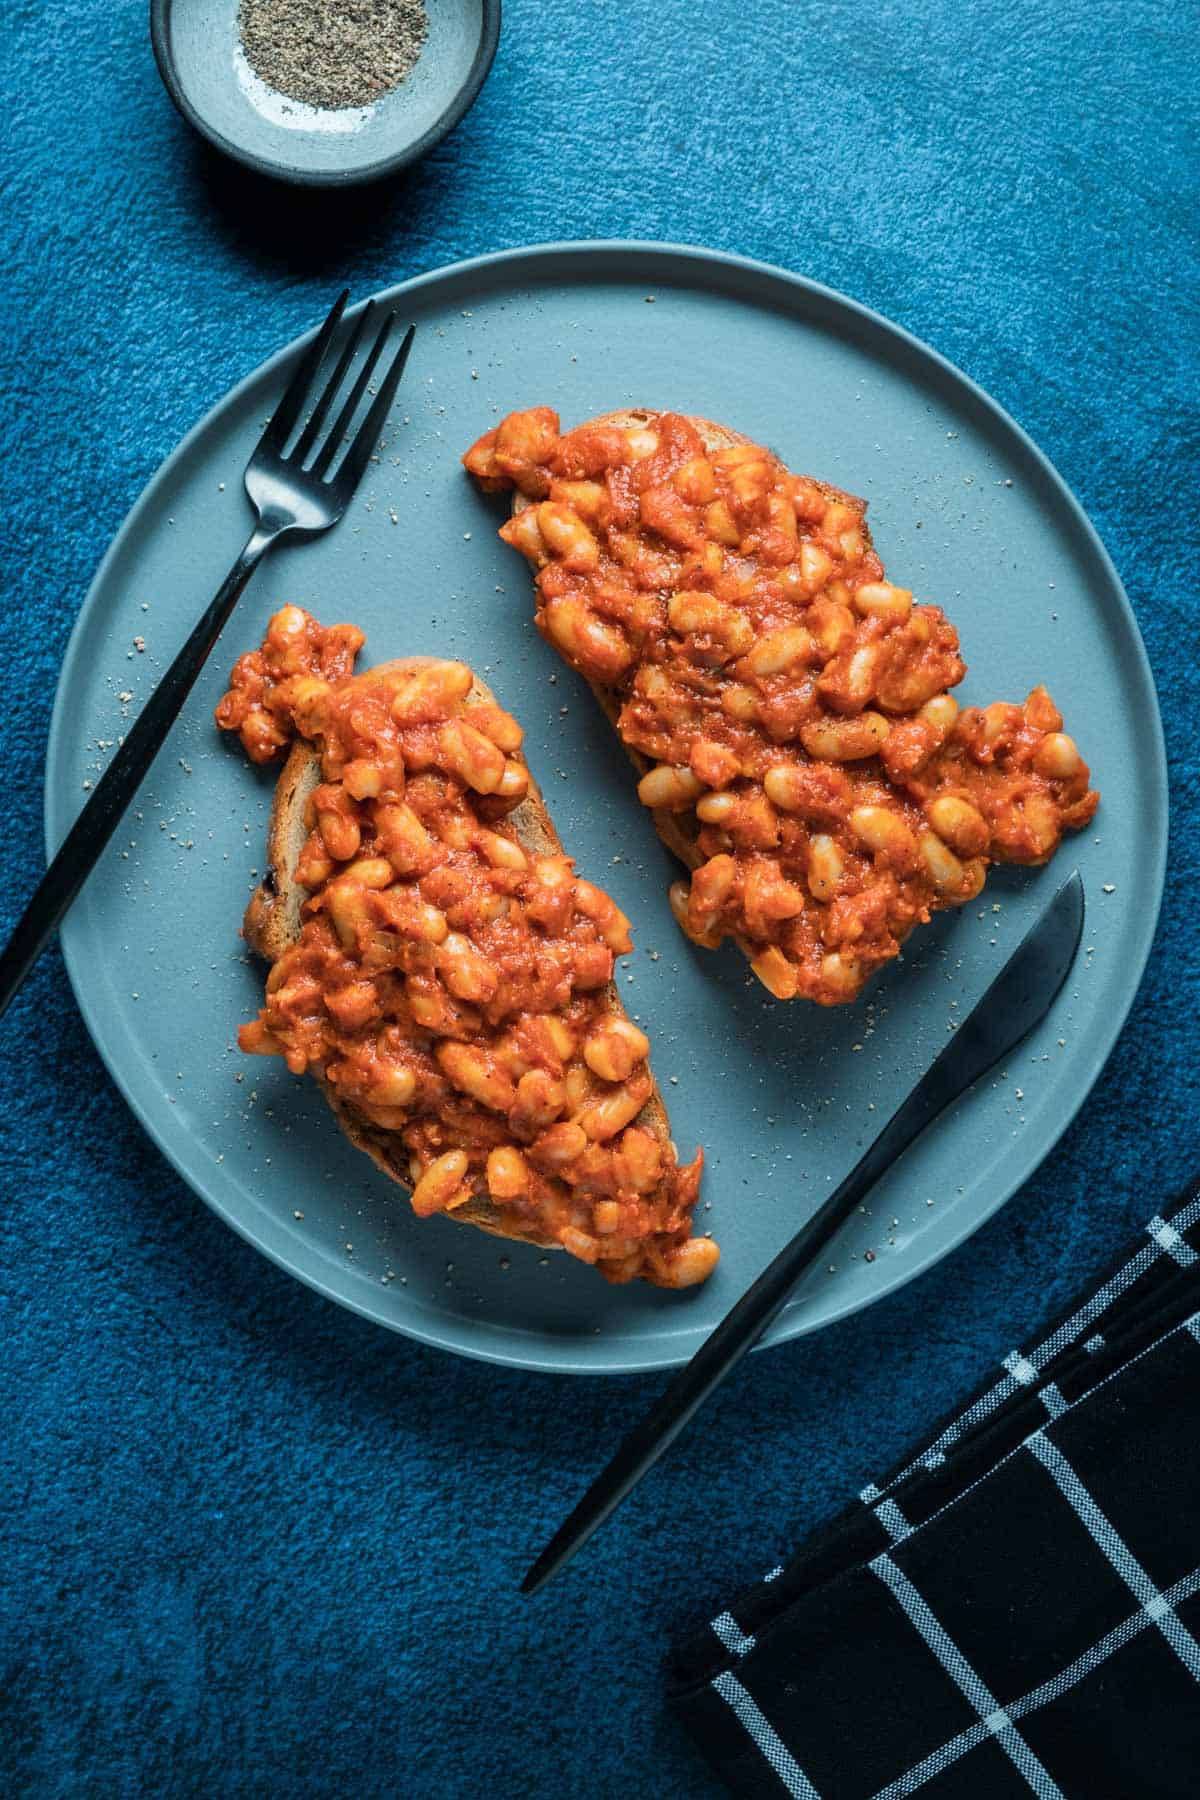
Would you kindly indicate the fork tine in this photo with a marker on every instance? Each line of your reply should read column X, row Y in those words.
column 369, row 432
column 308, row 436
column 341, row 424
column 303, row 376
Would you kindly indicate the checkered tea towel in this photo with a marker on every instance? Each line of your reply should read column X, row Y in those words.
column 1013, row 1610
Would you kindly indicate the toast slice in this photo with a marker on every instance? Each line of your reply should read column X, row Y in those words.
column 273, row 924
column 786, row 707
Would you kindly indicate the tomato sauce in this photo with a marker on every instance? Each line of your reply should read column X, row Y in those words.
column 448, row 984
column 789, row 707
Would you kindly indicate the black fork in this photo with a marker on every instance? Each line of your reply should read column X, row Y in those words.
column 289, row 499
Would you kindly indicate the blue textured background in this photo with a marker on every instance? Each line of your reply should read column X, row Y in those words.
column 250, row 1544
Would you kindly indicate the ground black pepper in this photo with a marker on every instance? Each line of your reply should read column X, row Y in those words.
column 332, row 53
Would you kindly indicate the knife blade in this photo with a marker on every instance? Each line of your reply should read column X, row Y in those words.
column 1017, row 1000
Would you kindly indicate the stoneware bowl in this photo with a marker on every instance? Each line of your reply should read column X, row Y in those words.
column 200, row 58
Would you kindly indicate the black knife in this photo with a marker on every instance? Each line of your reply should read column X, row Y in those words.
column 1019, row 998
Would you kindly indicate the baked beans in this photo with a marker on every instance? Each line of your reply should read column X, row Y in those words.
column 787, row 704
column 448, row 983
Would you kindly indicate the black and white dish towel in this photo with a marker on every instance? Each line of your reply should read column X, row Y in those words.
column 1014, row 1610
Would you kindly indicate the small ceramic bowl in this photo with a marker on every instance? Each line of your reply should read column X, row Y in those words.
column 200, row 58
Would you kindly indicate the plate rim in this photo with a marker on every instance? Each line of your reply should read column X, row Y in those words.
column 545, row 1355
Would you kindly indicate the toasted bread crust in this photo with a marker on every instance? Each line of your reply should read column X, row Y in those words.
column 680, row 831
column 274, row 917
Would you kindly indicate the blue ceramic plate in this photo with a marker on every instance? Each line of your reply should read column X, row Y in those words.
column 964, row 509
column 205, row 70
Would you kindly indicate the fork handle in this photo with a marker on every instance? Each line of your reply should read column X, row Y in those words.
column 81, row 848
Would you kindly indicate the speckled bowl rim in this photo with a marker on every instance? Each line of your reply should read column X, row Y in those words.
column 460, row 105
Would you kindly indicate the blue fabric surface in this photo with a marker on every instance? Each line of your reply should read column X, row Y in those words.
column 252, row 1544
